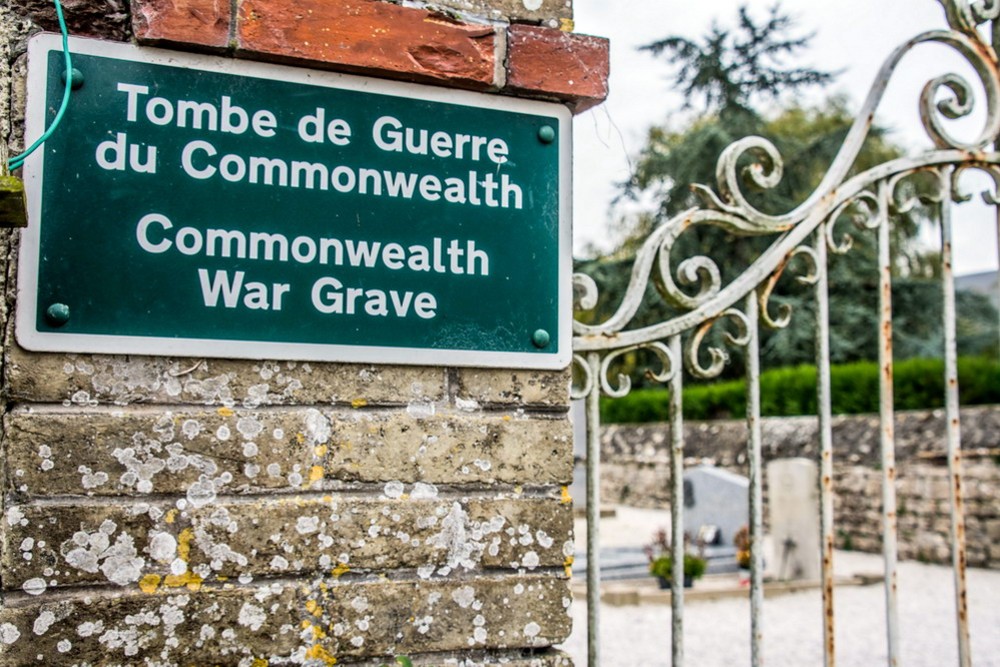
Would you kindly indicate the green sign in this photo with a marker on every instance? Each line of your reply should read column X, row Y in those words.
column 193, row 205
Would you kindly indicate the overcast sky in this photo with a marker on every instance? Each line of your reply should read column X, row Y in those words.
column 852, row 37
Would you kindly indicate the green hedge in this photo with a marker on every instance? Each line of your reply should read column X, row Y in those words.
column 917, row 384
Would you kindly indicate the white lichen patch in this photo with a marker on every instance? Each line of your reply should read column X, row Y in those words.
column 9, row 633
column 15, row 516
column 90, row 628
column 249, row 428
column 43, row 622
column 191, row 428
column 531, row 630
column 317, row 429
column 466, row 404
column 423, row 624
column 306, row 525
column 422, row 491
column 394, row 490
column 251, row 616
column 94, row 552
column 90, row 479
column 464, row 540
column 464, row 596
column 201, row 492
column 420, row 410
column 162, row 547
column 35, row 586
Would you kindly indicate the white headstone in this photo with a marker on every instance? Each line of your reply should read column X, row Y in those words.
column 793, row 503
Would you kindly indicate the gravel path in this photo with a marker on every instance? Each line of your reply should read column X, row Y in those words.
column 717, row 631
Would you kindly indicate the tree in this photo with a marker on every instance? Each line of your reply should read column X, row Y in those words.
column 728, row 73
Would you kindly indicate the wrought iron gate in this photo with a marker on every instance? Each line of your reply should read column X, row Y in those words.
column 871, row 199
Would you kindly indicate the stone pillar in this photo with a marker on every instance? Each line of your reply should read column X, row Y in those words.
column 192, row 511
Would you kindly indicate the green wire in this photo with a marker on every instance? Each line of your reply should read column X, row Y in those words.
column 18, row 160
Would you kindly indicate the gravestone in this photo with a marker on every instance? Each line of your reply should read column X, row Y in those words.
column 715, row 498
column 794, row 511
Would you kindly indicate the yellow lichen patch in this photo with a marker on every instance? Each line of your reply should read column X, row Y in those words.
column 317, row 652
column 184, row 544
column 568, row 565
column 359, row 403
column 225, row 412
column 567, row 25
column 170, row 516
column 565, row 498
column 300, row 438
column 506, row 418
column 149, row 583
column 321, row 451
column 259, row 662
column 315, row 474
column 340, row 570
column 189, row 579
column 313, row 607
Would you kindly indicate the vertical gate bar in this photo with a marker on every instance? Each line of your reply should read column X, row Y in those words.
column 996, row 211
column 677, row 504
column 593, row 407
column 952, row 429
column 887, row 432
column 756, row 484
column 824, row 412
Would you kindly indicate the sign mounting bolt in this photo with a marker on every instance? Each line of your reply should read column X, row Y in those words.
column 77, row 78
column 540, row 338
column 57, row 314
column 546, row 134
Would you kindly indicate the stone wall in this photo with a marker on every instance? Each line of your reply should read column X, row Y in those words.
column 165, row 511
column 635, row 471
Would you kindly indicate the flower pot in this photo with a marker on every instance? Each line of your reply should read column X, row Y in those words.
column 665, row 583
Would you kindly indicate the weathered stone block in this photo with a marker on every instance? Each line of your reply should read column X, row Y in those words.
column 108, row 19
column 321, row 620
column 182, row 22
column 370, row 37
column 484, row 387
column 140, row 452
column 550, row 62
column 78, row 379
column 168, row 545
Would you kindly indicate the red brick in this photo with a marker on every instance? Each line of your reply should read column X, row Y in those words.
column 198, row 22
column 552, row 63
column 370, row 37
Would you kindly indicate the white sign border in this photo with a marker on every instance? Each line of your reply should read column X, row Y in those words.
column 29, row 337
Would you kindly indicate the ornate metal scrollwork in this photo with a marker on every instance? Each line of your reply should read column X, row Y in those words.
column 694, row 285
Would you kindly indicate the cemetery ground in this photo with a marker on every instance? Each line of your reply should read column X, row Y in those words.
column 717, row 615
